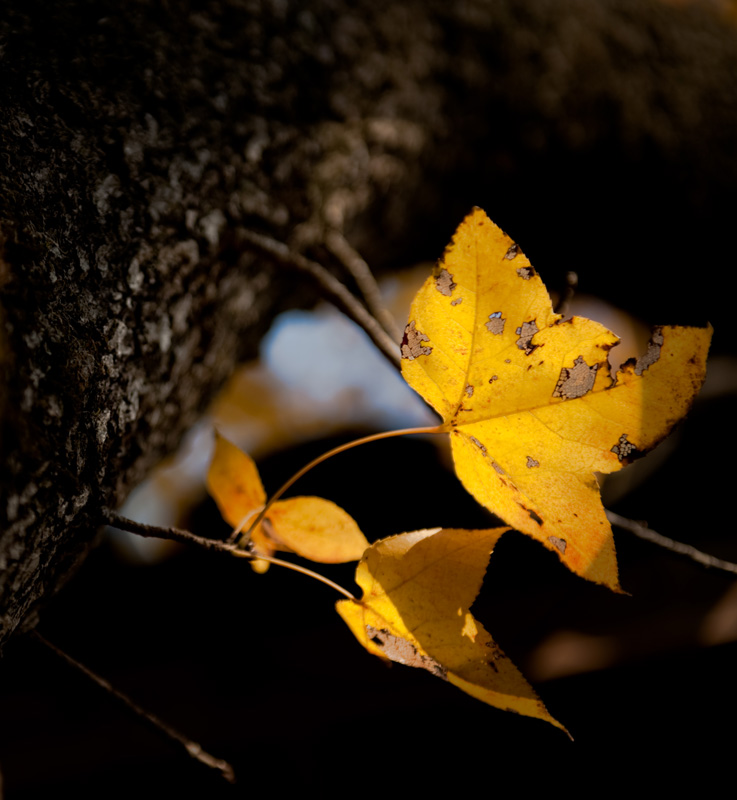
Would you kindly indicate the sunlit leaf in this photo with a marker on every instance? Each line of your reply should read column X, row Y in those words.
column 312, row 527
column 528, row 398
column 316, row 529
column 234, row 483
column 417, row 592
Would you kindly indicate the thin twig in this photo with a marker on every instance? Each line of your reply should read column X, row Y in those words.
column 193, row 749
column 333, row 288
column 179, row 535
column 115, row 520
column 365, row 280
column 670, row 544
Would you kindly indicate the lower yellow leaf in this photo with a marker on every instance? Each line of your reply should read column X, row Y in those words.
column 417, row 591
column 312, row 527
column 317, row 529
column 234, row 483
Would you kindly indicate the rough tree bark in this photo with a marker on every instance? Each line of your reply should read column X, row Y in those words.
column 139, row 140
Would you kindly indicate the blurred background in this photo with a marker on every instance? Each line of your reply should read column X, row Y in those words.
column 637, row 195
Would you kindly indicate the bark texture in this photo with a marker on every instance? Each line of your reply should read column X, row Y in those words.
column 139, row 139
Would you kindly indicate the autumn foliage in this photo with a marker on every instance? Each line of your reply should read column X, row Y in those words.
column 533, row 413
column 528, row 398
column 311, row 527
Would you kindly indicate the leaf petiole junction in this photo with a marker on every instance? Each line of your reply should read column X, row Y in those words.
column 374, row 437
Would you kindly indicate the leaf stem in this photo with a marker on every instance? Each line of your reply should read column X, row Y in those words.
column 643, row 532
column 374, row 437
column 296, row 568
column 192, row 748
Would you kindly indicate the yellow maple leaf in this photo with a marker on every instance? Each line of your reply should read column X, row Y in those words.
column 528, row 399
column 312, row 527
column 417, row 591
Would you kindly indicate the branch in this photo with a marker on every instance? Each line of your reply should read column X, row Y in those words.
column 241, row 551
column 365, row 280
column 335, row 290
column 115, row 520
column 641, row 530
column 193, row 749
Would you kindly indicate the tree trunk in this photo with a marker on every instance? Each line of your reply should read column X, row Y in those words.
column 139, row 141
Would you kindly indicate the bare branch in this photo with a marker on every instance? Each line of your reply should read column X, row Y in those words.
column 334, row 289
column 241, row 551
column 365, row 280
column 192, row 748
column 115, row 520
column 641, row 530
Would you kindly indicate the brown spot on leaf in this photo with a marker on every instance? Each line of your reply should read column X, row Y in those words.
column 525, row 273
column 507, row 360
column 525, row 332
column 412, row 346
column 559, row 544
column 577, row 381
column 536, row 517
column 512, row 252
column 493, row 378
column 498, row 468
column 623, row 448
column 532, row 463
column 653, row 352
column 468, row 390
column 496, row 323
column 478, row 444
column 403, row 652
column 457, row 301
column 495, row 653
column 444, row 283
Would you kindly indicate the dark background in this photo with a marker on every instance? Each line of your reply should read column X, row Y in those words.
column 261, row 671
column 637, row 195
